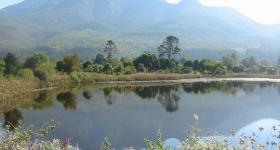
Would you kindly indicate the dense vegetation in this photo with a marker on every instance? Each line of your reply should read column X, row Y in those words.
column 40, row 66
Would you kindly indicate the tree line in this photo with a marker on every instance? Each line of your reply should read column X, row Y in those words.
column 168, row 59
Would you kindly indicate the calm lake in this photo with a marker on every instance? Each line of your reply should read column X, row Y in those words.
column 129, row 114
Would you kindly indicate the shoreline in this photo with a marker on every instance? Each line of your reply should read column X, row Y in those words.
column 195, row 80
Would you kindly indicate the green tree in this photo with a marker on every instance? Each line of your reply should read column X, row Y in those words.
column 208, row 66
column 249, row 62
column 87, row 66
column 99, row 59
column 169, row 48
column 69, row 64
column 2, row 67
column 150, row 61
column 141, row 68
column 110, row 48
column 196, row 65
column 12, row 64
column 35, row 60
column 107, row 69
column 230, row 61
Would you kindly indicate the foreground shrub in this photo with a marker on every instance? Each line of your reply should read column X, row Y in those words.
column 23, row 139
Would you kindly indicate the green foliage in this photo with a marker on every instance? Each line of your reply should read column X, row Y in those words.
column 35, row 60
column 150, row 61
column 110, row 48
column 230, row 61
column 157, row 145
column 87, row 66
column 129, row 69
column 196, row 65
column 119, row 69
column 21, row 139
column 97, row 68
column 220, row 69
column 41, row 74
column 141, row 68
column 69, row 64
column 106, row 145
column 107, row 69
column 188, row 63
column 207, row 66
column 2, row 67
column 249, row 62
column 169, row 48
column 26, row 74
column 100, row 59
column 12, row 64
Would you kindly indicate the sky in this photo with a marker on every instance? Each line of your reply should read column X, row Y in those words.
column 5, row 3
column 262, row 11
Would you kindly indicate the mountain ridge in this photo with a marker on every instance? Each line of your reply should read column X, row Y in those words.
column 83, row 26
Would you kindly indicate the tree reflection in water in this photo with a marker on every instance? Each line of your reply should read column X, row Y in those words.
column 87, row 95
column 12, row 119
column 68, row 99
column 109, row 96
column 169, row 98
column 146, row 93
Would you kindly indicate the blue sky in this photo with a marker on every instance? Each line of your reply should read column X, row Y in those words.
column 5, row 3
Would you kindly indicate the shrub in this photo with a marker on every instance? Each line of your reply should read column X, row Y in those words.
column 150, row 61
column 141, row 68
column 97, row 68
column 220, row 69
column 35, row 60
column 129, row 69
column 69, row 64
column 42, row 75
column 107, row 69
column 119, row 69
column 26, row 73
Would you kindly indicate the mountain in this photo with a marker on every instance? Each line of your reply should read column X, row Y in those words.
column 83, row 26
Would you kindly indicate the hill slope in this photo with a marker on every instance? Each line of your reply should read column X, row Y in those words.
column 83, row 26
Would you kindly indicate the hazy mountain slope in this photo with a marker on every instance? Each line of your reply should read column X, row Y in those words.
column 83, row 26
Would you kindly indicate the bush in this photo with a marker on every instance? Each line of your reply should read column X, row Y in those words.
column 129, row 69
column 35, row 60
column 97, row 68
column 69, row 64
column 150, row 61
column 119, row 69
column 107, row 69
column 42, row 75
column 220, row 69
column 188, row 69
column 26, row 74
column 76, row 77
column 141, row 68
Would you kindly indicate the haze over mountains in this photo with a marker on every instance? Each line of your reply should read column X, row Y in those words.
column 83, row 26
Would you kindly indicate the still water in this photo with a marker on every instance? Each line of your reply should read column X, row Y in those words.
column 129, row 114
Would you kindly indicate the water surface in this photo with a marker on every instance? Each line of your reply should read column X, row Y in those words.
column 128, row 114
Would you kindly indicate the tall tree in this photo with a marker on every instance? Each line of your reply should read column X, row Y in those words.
column 110, row 48
column 12, row 64
column 169, row 48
